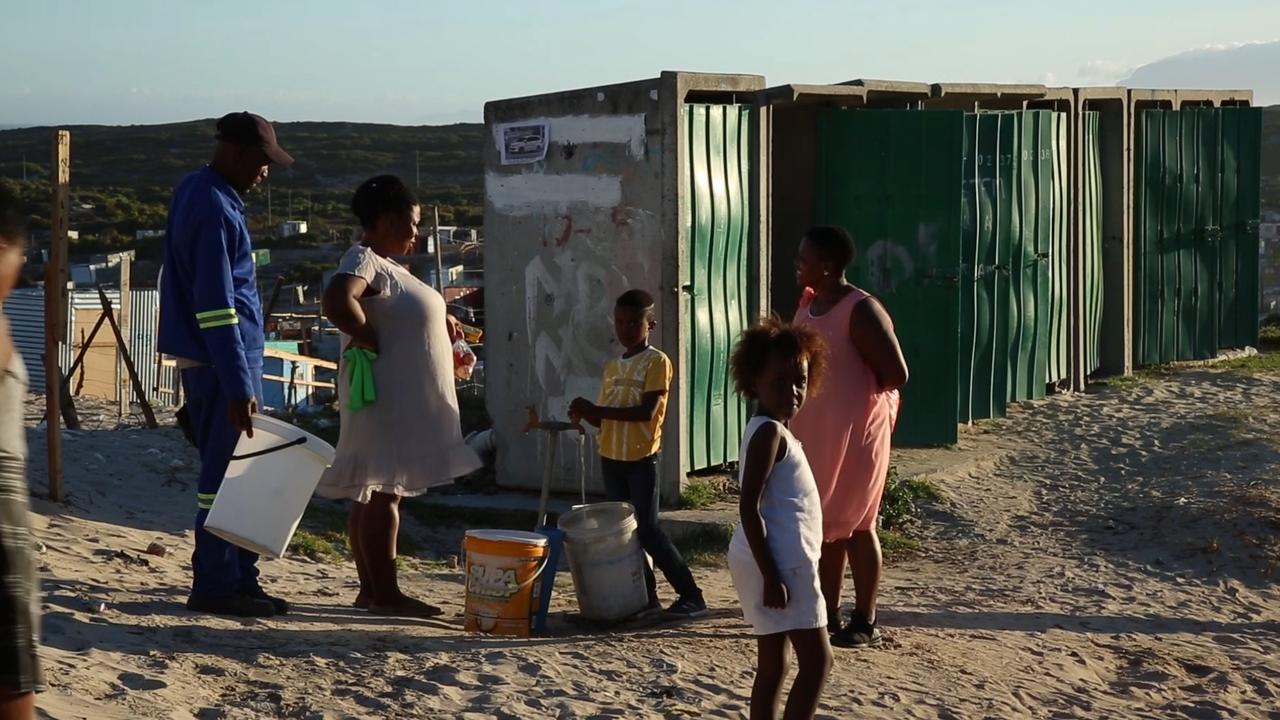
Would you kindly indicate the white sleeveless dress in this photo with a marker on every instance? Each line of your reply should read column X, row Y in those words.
column 792, row 512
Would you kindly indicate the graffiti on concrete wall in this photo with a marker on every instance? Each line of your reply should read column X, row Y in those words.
column 588, row 259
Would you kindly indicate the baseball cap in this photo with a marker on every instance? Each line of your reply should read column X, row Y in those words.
column 245, row 128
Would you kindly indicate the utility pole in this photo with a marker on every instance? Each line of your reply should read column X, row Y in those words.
column 435, row 243
column 417, row 169
column 24, row 168
column 55, row 304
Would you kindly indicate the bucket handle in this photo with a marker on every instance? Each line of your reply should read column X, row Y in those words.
column 268, row 451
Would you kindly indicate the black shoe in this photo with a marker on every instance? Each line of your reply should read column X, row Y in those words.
column 238, row 605
column 859, row 633
column 688, row 608
column 281, row 605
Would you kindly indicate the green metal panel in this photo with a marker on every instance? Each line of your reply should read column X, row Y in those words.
column 987, row 394
column 1188, row 311
column 1208, row 174
column 1006, row 234
column 1170, row 232
column 891, row 178
column 1022, row 265
column 1241, row 197
column 699, row 233
column 736, row 301
column 720, row 212
column 1229, row 222
column 970, row 215
column 1060, row 258
column 717, row 224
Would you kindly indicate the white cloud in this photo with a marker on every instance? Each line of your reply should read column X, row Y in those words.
column 1103, row 72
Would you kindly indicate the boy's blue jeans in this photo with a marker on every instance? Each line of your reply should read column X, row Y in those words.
column 636, row 482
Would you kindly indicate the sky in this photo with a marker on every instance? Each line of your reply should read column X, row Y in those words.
column 432, row 61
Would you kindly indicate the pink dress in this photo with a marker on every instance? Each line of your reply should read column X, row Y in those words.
column 846, row 426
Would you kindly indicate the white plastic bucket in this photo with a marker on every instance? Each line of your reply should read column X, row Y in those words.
column 268, row 484
column 606, row 560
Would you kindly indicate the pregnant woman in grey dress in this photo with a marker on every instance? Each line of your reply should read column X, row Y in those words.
column 405, row 437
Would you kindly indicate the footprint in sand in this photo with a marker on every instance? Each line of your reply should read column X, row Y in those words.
column 134, row 681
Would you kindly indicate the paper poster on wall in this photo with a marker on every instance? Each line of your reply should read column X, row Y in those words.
column 523, row 143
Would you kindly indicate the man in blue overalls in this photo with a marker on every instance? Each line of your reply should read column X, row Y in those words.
column 211, row 323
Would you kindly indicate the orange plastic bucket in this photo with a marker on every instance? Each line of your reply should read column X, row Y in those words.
column 504, row 578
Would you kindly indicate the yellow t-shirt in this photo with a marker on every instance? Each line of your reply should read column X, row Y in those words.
column 626, row 380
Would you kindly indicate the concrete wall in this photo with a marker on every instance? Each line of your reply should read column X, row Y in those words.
column 568, row 234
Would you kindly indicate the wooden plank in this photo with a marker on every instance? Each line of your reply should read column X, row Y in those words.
column 128, row 361
column 305, row 383
column 294, row 357
column 84, row 347
column 55, row 306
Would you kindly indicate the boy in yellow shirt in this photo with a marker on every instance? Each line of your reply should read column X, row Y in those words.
column 632, row 405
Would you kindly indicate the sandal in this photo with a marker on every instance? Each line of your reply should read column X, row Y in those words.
column 407, row 608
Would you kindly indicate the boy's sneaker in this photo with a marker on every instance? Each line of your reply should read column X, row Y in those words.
column 688, row 608
column 859, row 633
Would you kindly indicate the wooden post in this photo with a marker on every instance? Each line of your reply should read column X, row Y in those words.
column 123, row 389
column 435, row 243
column 123, row 347
column 55, row 306
column 271, row 302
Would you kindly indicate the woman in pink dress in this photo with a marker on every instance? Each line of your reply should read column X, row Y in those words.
column 846, row 428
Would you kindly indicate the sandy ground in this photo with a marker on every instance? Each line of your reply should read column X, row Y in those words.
column 1106, row 555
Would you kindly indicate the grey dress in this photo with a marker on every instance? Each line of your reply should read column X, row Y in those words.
column 19, row 602
column 410, row 439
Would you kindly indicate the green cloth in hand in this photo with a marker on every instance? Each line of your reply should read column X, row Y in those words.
column 360, row 375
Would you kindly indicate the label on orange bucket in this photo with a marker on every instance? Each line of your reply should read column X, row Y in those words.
column 503, row 580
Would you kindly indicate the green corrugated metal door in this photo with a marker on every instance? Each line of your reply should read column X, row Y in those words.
column 1014, row 255
column 717, row 216
column 1239, row 200
column 891, row 178
column 1196, row 192
column 984, row 393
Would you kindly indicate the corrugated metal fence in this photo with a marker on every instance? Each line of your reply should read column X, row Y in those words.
column 25, row 310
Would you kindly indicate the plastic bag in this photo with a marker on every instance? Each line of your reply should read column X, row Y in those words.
column 464, row 360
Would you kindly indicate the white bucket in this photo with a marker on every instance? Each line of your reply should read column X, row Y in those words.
column 268, row 484
column 606, row 560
